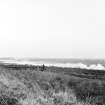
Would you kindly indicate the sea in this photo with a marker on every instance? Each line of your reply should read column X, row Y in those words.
column 95, row 64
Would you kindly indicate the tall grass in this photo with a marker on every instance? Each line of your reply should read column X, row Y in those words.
column 25, row 87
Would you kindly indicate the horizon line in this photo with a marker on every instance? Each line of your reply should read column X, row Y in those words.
column 52, row 58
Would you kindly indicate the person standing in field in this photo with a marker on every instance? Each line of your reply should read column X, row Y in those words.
column 43, row 67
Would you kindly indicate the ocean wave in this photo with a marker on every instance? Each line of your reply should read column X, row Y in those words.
column 66, row 65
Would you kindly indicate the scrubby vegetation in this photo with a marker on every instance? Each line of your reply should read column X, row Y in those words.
column 27, row 86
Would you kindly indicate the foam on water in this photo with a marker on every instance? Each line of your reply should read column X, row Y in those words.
column 68, row 65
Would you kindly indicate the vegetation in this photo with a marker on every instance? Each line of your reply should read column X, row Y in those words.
column 30, row 85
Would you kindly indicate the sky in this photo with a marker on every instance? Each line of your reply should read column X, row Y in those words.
column 52, row 28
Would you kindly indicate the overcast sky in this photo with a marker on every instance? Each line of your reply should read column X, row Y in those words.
column 52, row 28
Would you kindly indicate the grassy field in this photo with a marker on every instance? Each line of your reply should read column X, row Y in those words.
column 30, row 85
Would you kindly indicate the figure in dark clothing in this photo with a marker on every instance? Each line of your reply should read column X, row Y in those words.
column 43, row 68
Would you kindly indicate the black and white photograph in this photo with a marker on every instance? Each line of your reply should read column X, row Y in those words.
column 52, row 52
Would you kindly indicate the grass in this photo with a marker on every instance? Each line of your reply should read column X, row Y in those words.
column 24, row 85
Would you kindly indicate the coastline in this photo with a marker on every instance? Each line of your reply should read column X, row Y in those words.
column 94, row 65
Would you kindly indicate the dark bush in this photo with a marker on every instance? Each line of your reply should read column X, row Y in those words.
column 72, row 84
column 82, row 90
column 5, row 100
column 89, row 89
column 57, row 84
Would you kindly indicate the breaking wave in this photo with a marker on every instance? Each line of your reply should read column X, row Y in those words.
column 67, row 65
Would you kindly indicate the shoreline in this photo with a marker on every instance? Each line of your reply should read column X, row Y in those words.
column 77, row 72
column 79, row 65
